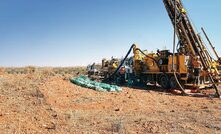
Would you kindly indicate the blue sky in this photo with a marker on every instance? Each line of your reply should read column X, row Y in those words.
column 79, row 32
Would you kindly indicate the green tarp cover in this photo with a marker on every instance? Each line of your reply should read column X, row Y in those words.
column 86, row 82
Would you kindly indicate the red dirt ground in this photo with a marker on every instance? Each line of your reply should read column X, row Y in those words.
column 48, row 103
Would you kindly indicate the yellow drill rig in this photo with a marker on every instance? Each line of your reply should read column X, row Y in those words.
column 191, row 66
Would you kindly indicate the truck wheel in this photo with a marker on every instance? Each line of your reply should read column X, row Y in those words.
column 173, row 82
column 164, row 82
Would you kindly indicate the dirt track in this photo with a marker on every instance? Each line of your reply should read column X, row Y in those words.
column 49, row 103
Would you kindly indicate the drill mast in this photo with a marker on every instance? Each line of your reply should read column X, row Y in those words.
column 190, row 43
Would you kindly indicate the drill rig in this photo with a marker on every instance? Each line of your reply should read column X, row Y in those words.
column 172, row 70
column 177, row 70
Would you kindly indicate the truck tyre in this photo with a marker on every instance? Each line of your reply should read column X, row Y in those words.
column 164, row 82
column 173, row 82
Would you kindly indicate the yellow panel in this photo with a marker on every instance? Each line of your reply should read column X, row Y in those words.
column 182, row 64
column 170, row 63
column 179, row 64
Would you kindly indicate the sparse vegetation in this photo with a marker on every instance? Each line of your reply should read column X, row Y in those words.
column 42, row 100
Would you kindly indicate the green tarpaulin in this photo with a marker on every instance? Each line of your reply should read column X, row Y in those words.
column 86, row 82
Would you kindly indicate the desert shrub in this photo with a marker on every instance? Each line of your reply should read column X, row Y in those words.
column 117, row 127
column 30, row 69
column 69, row 70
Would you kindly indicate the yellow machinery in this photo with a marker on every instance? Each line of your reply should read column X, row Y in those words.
column 191, row 65
column 109, row 66
column 171, row 70
column 160, row 68
column 157, row 67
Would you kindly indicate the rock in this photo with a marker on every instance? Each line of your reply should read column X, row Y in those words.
column 50, row 126
column 118, row 109
column 54, row 115
column 204, row 107
column 172, row 111
column 130, row 97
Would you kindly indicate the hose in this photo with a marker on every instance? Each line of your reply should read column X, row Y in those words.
column 181, row 87
column 174, row 45
column 175, row 75
column 147, row 56
column 122, row 62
